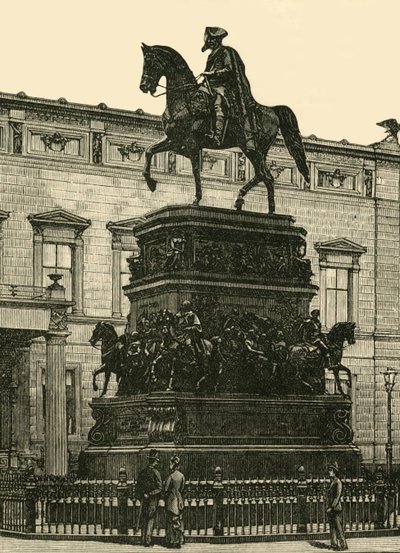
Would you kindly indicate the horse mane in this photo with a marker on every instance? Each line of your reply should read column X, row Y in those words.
column 175, row 58
column 110, row 328
column 337, row 331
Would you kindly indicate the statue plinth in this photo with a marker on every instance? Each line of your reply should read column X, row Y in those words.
column 249, row 285
column 247, row 260
column 248, row 436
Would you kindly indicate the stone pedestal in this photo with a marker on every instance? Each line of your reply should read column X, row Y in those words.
column 248, row 436
column 244, row 260
column 224, row 262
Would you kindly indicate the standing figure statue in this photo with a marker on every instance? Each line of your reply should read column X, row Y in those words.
column 226, row 81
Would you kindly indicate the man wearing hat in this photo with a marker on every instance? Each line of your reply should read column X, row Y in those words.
column 227, row 81
column 334, row 509
column 148, row 490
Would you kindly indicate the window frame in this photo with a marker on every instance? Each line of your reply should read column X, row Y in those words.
column 61, row 228
column 337, row 254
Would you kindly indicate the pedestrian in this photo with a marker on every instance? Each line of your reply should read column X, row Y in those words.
column 148, row 491
column 174, row 505
column 334, row 509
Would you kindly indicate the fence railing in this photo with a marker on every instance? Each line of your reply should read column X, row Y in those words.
column 220, row 507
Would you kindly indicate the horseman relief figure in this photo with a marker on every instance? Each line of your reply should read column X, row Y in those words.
column 219, row 113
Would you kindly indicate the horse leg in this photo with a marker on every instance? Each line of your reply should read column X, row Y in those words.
column 162, row 146
column 239, row 202
column 96, row 373
column 107, row 375
column 195, row 159
column 268, row 180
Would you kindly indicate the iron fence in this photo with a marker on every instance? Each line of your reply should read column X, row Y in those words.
column 219, row 507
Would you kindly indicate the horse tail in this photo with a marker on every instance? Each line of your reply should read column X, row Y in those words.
column 292, row 137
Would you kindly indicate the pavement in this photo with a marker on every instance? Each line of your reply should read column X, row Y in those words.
column 357, row 545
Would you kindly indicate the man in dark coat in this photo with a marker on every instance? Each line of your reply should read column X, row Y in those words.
column 227, row 82
column 334, row 509
column 148, row 491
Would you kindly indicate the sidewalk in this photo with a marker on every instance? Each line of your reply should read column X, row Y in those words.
column 357, row 545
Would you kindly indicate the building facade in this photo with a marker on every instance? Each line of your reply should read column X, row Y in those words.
column 71, row 190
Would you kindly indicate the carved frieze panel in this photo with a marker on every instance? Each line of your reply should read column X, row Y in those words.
column 56, row 117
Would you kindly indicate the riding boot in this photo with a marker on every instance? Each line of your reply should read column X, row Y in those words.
column 219, row 130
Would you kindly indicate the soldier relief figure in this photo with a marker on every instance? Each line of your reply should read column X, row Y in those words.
column 238, row 352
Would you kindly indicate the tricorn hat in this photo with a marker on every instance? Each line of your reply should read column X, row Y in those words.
column 216, row 32
column 334, row 466
column 153, row 455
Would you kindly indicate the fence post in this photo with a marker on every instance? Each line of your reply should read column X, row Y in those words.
column 380, row 498
column 218, row 503
column 30, row 504
column 301, row 500
column 122, row 495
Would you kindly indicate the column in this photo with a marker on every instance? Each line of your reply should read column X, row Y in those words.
column 116, row 279
column 56, row 440
column 37, row 257
column 322, row 294
column 22, row 400
column 77, row 276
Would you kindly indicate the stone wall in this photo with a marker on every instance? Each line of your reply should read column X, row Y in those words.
column 364, row 209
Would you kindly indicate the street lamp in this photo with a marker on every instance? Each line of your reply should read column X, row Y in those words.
column 390, row 378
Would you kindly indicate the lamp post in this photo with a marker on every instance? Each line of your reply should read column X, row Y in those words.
column 390, row 378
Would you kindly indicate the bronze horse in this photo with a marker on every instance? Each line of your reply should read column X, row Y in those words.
column 310, row 365
column 185, row 124
column 111, row 358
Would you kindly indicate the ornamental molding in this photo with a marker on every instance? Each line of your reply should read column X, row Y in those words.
column 124, row 226
column 341, row 245
column 59, row 218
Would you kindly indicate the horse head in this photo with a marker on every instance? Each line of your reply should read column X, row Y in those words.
column 160, row 61
column 153, row 69
column 97, row 334
column 341, row 332
column 103, row 329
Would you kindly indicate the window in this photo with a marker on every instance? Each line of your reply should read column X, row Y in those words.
column 58, row 248
column 57, row 258
column 123, row 246
column 125, row 280
column 337, row 295
column 3, row 216
column 339, row 275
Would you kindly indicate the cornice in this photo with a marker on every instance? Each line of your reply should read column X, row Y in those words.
column 138, row 117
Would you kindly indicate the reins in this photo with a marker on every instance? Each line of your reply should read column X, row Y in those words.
column 171, row 89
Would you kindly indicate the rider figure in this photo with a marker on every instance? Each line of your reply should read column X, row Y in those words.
column 227, row 81
column 190, row 326
column 310, row 332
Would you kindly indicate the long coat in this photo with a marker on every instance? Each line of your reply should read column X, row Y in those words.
column 173, row 488
column 333, row 499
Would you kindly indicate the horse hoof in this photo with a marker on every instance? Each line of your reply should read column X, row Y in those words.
column 239, row 203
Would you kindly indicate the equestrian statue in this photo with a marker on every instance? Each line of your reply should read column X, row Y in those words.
column 218, row 113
